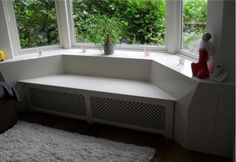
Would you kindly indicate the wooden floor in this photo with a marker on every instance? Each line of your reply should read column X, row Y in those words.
column 166, row 150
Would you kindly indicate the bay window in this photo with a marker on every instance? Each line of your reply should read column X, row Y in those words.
column 174, row 26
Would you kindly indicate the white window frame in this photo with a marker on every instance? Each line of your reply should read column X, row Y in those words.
column 118, row 46
column 173, row 25
column 14, row 34
column 65, row 24
column 11, row 24
column 183, row 51
column 188, row 54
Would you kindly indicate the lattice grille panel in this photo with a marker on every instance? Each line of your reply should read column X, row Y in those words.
column 58, row 101
column 129, row 113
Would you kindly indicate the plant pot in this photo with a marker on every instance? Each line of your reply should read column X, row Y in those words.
column 109, row 48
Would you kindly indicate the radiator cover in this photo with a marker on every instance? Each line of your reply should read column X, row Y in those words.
column 129, row 113
column 151, row 115
column 59, row 101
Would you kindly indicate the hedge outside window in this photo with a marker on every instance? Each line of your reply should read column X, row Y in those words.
column 194, row 24
column 36, row 22
column 143, row 20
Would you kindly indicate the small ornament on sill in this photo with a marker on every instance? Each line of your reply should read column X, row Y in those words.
column 146, row 51
column 181, row 60
column 2, row 55
column 218, row 75
column 200, row 69
column 40, row 52
column 84, row 48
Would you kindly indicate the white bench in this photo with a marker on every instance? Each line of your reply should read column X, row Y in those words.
column 120, row 102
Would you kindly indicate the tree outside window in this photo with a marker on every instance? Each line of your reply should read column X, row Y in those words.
column 36, row 22
column 144, row 20
column 194, row 23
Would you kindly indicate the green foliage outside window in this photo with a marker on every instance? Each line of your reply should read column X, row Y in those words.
column 102, row 29
column 144, row 20
column 36, row 22
column 194, row 22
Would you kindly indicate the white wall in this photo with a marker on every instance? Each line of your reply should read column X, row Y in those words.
column 221, row 23
column 18, row 70
column 227, row 52
column 126, row 68
column 211, row 119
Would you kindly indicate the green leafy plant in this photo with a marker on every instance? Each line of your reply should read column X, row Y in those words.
column 101, row 29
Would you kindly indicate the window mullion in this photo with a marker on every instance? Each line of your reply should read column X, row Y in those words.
column 11, row 25
column 174, row 25
column 63, row 23
column 71, row 22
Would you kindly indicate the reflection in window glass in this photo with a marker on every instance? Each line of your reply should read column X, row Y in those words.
column 194, row 23
column 36, row 22
column 142, row 21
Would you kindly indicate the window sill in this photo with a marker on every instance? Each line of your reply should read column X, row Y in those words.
column 171, row 61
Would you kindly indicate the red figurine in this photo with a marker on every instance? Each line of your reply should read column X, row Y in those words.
column 200, row 68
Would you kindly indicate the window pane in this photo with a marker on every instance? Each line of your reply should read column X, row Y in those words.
column 36, row 22
column 194, row 23
column 140, row 21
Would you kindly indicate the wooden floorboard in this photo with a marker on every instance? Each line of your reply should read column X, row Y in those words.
column 166, row 150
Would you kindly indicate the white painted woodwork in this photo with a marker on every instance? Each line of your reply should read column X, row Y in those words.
column 101, row 84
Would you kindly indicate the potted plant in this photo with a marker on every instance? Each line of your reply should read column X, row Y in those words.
column 104, row 32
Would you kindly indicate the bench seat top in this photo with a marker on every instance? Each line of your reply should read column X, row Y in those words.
column 102, row 84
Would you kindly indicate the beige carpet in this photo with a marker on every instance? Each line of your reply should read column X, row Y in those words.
column 27, row 142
